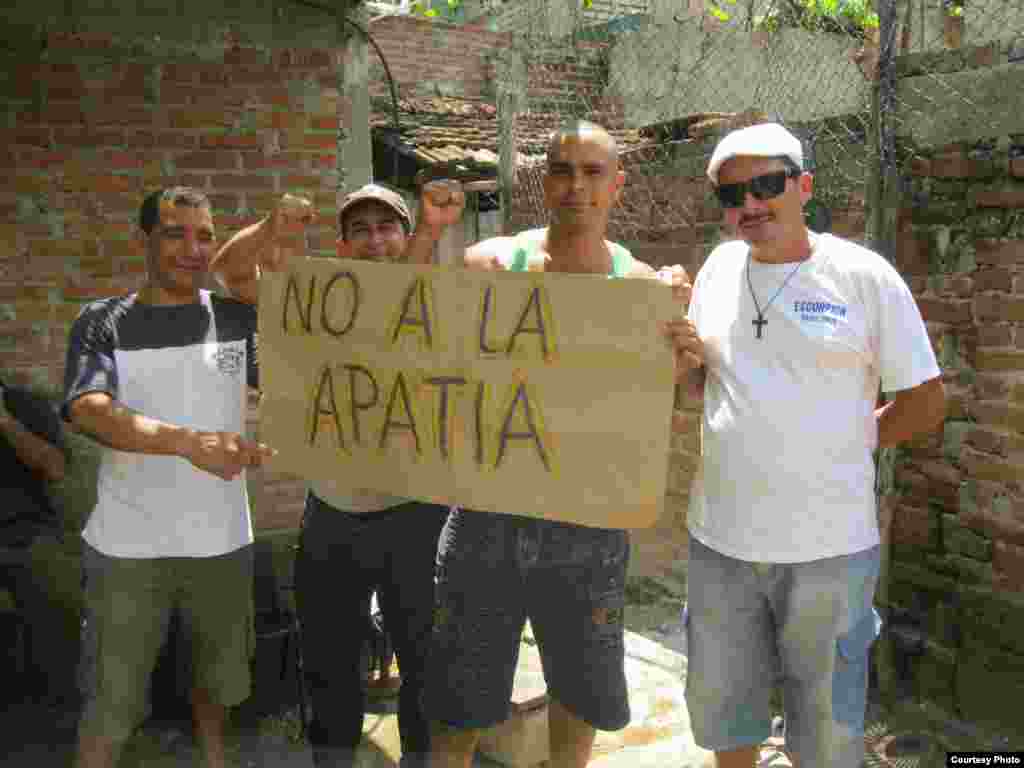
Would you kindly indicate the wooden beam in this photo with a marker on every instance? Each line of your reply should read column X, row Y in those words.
column 488, row 185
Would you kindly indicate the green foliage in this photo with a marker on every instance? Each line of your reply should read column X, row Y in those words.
column 715, row 9
column 768, row 22
column 850, row 16
column 426, row 7
column 858, row 14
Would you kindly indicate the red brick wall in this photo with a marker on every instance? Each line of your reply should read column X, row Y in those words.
column 428, row 57
column 969, row 281
column 97, row 127
column 103, row 121
column 95, row 130
column 957, row 572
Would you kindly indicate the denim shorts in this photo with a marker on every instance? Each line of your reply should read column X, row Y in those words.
column 493, row 572
column 807, row 627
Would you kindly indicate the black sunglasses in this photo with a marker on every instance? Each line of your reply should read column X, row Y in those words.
column 763, row 187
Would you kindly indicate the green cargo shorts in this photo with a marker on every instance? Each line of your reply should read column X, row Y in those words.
column 128, row 607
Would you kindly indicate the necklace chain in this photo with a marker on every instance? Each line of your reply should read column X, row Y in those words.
column 760, row 322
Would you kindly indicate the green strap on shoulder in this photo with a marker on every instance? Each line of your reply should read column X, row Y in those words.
column 520, row 260
column 622, row 260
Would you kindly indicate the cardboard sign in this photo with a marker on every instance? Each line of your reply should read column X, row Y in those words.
column 526, row 393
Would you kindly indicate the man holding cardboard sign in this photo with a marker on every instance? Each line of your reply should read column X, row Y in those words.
column 353, row 544
column 497, row 393
column 495, row 571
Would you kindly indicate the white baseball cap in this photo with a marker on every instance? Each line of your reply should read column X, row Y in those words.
column 764, row 140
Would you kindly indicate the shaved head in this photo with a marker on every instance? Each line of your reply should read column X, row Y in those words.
column 582, row 180
column 580, row 131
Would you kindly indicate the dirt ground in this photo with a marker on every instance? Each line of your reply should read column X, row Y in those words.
column 37, row 731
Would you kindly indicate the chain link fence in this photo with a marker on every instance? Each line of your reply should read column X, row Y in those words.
column 951, row 83
column 867, row 85
column 670, row 78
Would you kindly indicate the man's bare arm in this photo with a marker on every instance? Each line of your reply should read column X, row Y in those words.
column 37, row 453
column 123, row 429
column 237, row 263
column 442, row 202
column 912, row 412
column 420, row 247
column 240, row 261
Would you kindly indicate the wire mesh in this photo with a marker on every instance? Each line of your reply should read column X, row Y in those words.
column 669, row 78
column 958, row 83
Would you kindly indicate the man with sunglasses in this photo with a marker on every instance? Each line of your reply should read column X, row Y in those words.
column 789, row 338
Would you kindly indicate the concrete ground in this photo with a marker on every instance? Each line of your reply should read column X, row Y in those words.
column 41, row 734
column 658, row 737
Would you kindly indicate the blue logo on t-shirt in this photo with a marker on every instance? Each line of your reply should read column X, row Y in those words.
column 819, row 311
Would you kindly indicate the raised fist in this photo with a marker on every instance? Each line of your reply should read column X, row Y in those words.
column 291, row 216
column 441, row 204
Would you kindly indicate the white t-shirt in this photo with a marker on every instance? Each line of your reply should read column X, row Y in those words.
column 787, row 473
column 187, row 365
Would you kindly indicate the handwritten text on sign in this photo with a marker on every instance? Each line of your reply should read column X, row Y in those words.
column 540, row 395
